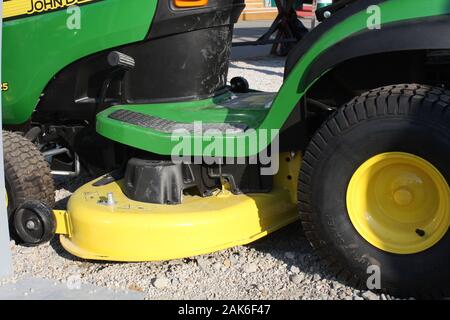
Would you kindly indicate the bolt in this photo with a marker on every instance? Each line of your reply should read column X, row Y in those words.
column 110, row 202
column 30, row 225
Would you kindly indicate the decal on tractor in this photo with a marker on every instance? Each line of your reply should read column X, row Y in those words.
column 20, row 8
column 5, row 86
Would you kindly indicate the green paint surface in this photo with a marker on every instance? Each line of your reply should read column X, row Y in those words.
column 36, row 48
column 249, row 109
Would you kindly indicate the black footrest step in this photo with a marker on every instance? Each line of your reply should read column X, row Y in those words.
column 169, row 126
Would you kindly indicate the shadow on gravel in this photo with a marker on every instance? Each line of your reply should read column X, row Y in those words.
column 291, row 246
column 66, row 186
column 60, row 251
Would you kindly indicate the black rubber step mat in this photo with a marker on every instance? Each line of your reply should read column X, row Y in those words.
column 169, row 126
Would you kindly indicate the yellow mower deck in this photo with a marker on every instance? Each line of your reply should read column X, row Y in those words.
column 135, row 231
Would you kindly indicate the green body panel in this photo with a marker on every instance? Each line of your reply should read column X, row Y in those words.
column 288, row 96
column 36, row 48
column 246, row 108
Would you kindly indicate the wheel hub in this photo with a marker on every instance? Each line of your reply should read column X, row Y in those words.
column 399, row 203
column 403, row 197
column 31, row 225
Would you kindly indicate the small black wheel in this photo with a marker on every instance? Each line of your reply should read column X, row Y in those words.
column 239, row 85
column 34, row 223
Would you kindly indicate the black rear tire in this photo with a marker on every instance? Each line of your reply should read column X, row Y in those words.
column 27, row 174
column 412, row 119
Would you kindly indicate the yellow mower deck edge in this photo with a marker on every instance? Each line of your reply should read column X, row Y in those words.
column 133, row 231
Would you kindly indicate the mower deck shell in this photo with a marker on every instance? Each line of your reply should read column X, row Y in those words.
column 136, row 231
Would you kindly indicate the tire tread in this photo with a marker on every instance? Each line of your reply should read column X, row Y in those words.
column 401, row 100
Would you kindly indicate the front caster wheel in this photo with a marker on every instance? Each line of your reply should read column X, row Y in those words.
column 34, row 223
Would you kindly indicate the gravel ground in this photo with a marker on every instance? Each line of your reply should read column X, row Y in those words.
column 280, row 266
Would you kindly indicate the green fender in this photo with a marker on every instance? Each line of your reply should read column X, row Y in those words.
column 294, row 88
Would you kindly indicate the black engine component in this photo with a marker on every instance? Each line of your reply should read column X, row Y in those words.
column 160, row 182
column 183, row 44
column 163, row 182
column 191, row 65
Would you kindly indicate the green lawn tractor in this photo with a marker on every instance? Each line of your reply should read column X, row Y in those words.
column 356, row 143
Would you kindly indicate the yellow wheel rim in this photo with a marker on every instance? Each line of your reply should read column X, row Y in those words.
column 399, row 203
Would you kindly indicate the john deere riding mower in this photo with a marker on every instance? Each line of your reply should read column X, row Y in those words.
column 136, row 93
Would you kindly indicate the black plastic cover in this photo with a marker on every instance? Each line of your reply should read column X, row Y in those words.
column 160, row 182
column 163, row 182
column 185, row 66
